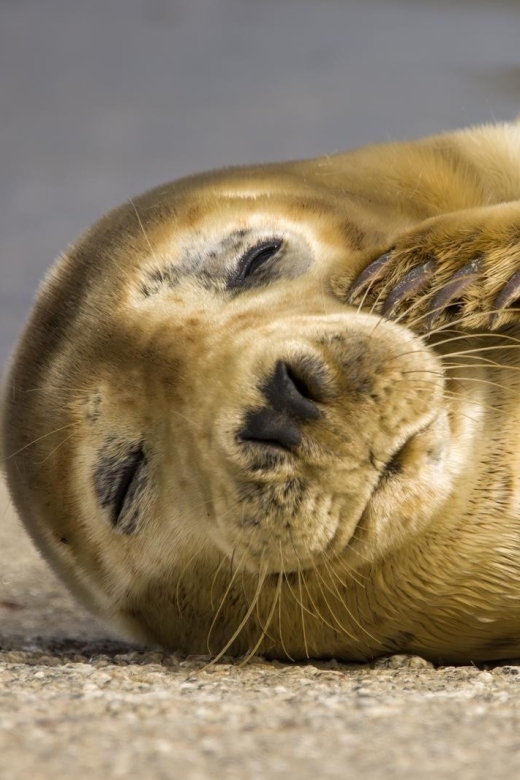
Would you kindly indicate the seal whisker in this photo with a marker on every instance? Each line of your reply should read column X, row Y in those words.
column 480, row 404
column 476, row 352
column 123, row 271
column 332, row 573
column 355, row 536
column 317, row 613
column 181, row 577
column 261, row 579
column 461, row 379
column 191, row 422
column 372, row 274
column 379, row 299
column 49, row 455
column 489, row 382
column 213, row 581
column 264, row 629
column 342, row 565
column 298, row 600
column 324, row 587
column 280, row 600
column 260, row 618
column 44, row 436
column 64, row 388
column 196, row 554
column 143, row 231
column 302, row 611
column 479, row 362
column 413, row 323
column 232, row 578
column 466, row 336
column 479, row 350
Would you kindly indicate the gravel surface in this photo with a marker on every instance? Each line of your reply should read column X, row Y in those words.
column 76, row 703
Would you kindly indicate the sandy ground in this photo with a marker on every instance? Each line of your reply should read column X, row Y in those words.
column 76, row 703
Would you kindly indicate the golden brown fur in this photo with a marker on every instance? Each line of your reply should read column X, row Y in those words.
column 250, row 458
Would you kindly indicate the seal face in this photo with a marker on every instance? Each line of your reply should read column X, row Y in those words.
column 273, row 409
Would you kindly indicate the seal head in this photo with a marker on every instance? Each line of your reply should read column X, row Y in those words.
column 217, row 452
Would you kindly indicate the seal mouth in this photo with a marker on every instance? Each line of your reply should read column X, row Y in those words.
column 395, row 465
column 409, row 460
column 397, row 462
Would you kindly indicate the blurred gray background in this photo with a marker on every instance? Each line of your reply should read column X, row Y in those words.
column 102, row 99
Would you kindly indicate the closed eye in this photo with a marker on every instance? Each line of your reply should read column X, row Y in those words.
column 124, row 479
column 255, row 257
column 117, row 484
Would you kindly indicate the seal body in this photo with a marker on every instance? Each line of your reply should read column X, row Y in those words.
column 275, row 409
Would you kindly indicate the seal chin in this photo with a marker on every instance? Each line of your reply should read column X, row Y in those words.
column 363, row 526
column 288, row 523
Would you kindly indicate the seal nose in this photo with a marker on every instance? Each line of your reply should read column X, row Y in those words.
column 290, row 402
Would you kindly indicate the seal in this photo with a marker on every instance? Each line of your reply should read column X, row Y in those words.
column 275, row 409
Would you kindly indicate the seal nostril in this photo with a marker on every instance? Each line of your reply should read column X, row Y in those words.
column 270, row 428
column 289, row 393
column 301, row 386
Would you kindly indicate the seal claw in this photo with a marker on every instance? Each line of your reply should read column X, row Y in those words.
column 372, row 273
column 507, row 295
column 459, row 282
column 411, row 284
